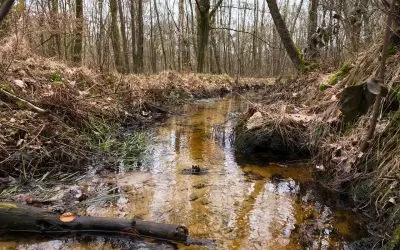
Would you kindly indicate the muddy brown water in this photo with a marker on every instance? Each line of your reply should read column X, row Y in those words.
column 239, row 206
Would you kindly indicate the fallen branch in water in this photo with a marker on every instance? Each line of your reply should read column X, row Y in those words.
column 18, row 220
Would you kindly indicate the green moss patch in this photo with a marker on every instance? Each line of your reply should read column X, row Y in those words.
column 340, row 74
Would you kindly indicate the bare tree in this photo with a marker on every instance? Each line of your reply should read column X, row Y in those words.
column 286, row 39
column 140, row 37
column 204, row 16
column 124, row 37
column 116, row 37
column 77, row 57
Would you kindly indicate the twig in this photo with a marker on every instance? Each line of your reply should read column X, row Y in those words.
column 30, row 105
column 34, row 138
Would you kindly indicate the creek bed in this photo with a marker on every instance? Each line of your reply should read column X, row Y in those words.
column 238, row 205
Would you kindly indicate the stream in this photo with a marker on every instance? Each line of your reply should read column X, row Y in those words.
column 236, row 205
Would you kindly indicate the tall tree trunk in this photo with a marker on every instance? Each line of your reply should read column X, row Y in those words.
column 181, row 52
column 203, row 32
column 116, row 37
column 153, row 53
column 77, row 57
column 255, row 41
column 161, row 35
column 124, row 38
column 204, row 15
column 286, row 39
column 99, row 42
column 133, row 34
column 140, row 40
column 5, row 7
column 56, row 34
column 312, row 50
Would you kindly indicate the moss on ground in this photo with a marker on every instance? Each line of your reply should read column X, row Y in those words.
column 337, row 76
column 395, row 242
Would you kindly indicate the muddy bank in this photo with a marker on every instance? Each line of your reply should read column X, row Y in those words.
column 279, row 139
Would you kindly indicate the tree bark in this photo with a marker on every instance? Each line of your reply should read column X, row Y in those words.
column 312, row 52
column 77, row 57
column 133, row 33
column 140, row 40
column 55, row 32
column 286, row 39
column 21, row 220
column 6, row 6
column 181, row 33
column 124, row 38
column 204, row 16
column 116, row 37
column 161, row 36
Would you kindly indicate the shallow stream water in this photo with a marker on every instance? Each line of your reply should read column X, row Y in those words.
column 237, row 205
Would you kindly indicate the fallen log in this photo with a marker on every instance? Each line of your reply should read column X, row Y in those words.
column 18, row 219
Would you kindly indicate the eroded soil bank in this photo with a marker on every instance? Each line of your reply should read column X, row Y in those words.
column 237, row 205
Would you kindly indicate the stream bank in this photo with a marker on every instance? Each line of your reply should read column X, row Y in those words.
column 54, row 118
column 237, row 205
column 326, row 117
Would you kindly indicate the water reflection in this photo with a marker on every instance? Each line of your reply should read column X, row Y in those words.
column 240, row 207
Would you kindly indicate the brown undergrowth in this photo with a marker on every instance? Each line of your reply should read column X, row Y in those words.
column 79, row 104
column 372, row 178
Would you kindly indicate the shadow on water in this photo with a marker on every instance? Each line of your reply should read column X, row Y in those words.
column 238, row 205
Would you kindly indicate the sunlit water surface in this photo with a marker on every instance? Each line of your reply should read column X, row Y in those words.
column 239, row 206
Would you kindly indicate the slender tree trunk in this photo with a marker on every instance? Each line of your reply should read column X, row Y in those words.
column 116, row 37
column 77, row 57
column 181, row 52
column 140, row 40
column 285, row 36
column 161, row 35
column 203, row 33
column 124, row 38
column 133, row 34
column 100, row 48
column 312, row 51
column 204, row 15
column 153, row 53
column 56, row 34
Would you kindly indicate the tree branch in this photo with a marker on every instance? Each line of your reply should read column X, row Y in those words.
column 198, row 5
column 214, row 10
column 30, row 105
column 245, row 32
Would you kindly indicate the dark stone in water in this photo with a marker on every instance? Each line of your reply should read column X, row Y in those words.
column 195, row 170
column 277, row 178
column 254, row 176
column 199, row 186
